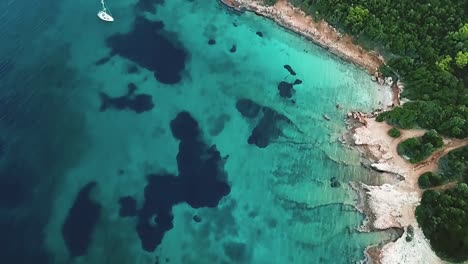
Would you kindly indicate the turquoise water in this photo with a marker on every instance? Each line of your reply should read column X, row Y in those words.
column 280, row 208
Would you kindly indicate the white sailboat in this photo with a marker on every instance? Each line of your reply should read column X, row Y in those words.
column 105, row 14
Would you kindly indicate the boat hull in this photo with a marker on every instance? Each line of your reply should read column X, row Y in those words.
column 104, row 16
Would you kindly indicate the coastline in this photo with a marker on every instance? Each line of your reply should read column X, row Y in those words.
column 393, row 205
column 319, row 32
column 388, row 206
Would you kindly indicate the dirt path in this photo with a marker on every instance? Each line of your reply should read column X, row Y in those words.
column 394, row 205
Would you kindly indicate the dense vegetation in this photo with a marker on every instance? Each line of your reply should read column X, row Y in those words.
column 394, row 133
column 418, row 149
column 429, row 179
column 452, row 167
column 443, row 218
column 425, row 44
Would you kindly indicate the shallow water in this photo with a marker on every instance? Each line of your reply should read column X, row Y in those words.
column 270, row 201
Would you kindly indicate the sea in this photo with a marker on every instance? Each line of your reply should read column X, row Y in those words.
column 182, row 132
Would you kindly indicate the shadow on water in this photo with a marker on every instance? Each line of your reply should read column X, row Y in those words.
column 42, row 136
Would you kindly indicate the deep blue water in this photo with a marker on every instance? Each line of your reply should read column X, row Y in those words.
column 162, row 138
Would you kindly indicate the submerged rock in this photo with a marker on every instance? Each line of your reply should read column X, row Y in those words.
column 334, row 183
column 132, row 69
column 80, row 222
column 201, row 183
column 149, row 46
column 248, row 108
column 289, row 69
column 233, row 49
column 128, row 206
column 197, row 218
column 268, row 128
column 138, row 103
column 285, row 89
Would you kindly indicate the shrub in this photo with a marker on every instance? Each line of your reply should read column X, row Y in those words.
column 393, row 132
column 409, row 233
column 380, row 117
column 430, row 179
column 432, row 137
column 418, row 149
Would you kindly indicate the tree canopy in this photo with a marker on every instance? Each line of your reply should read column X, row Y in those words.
column 443, row 217
column 424, row 42
column 418, row 149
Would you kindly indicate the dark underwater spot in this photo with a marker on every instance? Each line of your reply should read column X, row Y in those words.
column 235, row 251
column 217, row 124
column 271, row 223
column 138, row 103
column 201, row 183
column 80, row 222
column 131, row 88
column 148, row 5
column 36, row 160
column 102, row 60
column 17, row 234
column 233, row 49
column 148, row 46
column 161, row 193
column 128, row 206
column 211, row 42
column 197, row 218
column 132, row 69
column 334, row 183
column 234, row 24
column 2, row 149
column 285, row 89
column 260, row 34
column 268, row 128
column 289, row 69
column 184, row 127
column 297, row 81
column 248, row 108
column 14, row 186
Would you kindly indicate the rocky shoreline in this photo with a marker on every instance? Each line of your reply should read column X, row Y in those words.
column 319, row 32
column 392, row 205
column 389, row 206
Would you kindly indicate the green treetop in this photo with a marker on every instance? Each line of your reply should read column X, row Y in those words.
column 461, row 59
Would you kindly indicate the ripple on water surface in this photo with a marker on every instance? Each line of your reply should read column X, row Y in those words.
column 180, row 133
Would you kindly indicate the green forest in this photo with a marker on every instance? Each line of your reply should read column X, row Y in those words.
column 452, row 167
column 425, row 44
column 418, row 149
column 444, row 219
